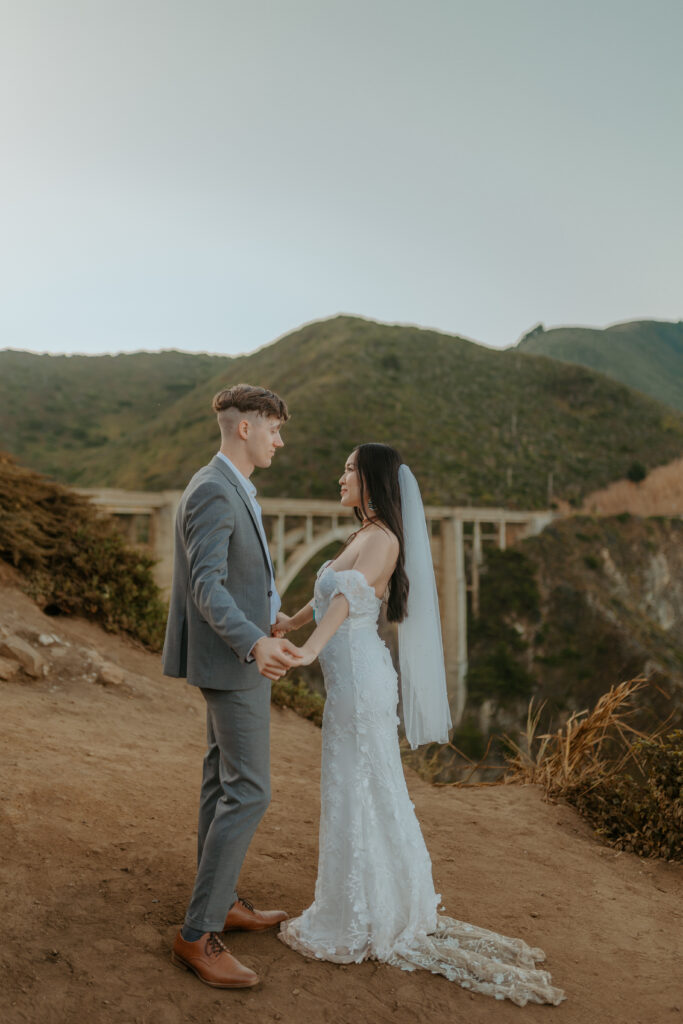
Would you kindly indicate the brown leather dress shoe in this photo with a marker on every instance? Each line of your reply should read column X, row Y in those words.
column 243, row 917
column 212, row 962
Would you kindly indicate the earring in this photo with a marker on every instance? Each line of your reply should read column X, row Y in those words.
column 371, row 506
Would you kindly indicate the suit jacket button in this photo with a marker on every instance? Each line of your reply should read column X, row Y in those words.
column 270, row 593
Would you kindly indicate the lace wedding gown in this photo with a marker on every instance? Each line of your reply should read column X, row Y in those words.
column 374, row 895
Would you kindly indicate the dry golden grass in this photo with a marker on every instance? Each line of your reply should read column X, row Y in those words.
column 591, row 747
column 627, row 784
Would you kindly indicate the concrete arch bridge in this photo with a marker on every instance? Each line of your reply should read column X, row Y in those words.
column 299, row 529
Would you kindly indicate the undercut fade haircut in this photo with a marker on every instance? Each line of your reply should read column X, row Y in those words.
column 246, row 398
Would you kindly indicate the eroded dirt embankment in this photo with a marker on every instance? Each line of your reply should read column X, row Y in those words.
column 98, row 839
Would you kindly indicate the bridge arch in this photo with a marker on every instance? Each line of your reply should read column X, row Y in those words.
column 301, row 555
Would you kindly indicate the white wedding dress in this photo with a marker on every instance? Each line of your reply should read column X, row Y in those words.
column 374, row 895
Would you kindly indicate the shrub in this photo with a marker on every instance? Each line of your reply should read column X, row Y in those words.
column 74, row 560
column 496, row 673
column 629, row 786
column 294, row 694
column 644, row 813
column 636, row 472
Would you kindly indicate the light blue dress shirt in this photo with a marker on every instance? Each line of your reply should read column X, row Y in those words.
column 250, row 491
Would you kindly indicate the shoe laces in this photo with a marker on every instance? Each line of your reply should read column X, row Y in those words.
column 214, row 946
column 246, row 903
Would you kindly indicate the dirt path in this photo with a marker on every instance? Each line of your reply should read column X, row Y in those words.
column 98, row 840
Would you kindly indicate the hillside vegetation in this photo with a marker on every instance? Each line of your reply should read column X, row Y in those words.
column 645, row 354
column 73, row 560
column 480, row 426
column 566, row 615
column 58, row 411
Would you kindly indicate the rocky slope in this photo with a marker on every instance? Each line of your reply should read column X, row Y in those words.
column 567, row 614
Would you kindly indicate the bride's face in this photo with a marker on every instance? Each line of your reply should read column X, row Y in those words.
column 349, row 484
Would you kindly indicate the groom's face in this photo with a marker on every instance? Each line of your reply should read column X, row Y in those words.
column 263, row 439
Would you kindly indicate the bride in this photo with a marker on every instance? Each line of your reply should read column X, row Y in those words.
column 374, row 895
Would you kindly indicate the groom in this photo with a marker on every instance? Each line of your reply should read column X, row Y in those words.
column 223, row 604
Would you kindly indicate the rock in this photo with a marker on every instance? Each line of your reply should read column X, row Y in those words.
column 8, row 668
column 18, row 650
column 110, row 674
column 46, row 639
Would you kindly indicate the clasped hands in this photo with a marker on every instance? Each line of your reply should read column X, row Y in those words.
column 275, row 656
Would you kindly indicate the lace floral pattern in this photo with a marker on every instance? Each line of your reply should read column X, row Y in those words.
column 374, row 895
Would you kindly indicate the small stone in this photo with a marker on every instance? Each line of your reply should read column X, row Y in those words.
column 18, row 650
column 110, row 674
column 46, row 639
column 533, row 913
column 8, row 668
column 296, row 991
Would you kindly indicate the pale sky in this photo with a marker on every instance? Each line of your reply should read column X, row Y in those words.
column 209, row 174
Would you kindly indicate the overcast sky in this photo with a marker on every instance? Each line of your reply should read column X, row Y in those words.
column 210, row 174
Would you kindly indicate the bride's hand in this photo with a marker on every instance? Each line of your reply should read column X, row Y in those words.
column 308, row 656
column 281, row 626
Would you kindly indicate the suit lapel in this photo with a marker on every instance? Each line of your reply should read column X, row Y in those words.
column 231, row 478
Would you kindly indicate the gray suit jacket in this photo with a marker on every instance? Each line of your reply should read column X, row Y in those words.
column 220, row 600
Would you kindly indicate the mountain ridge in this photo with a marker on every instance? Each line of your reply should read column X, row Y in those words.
column 480, row 425
column 646, row 355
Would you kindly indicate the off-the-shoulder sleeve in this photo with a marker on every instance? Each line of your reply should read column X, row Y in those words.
column 357, row 591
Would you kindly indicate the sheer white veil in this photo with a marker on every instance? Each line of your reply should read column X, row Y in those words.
column 426, row 713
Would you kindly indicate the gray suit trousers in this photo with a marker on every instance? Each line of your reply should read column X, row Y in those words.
column 234, row 796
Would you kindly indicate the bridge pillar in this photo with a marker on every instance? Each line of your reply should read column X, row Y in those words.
column 162, row 528
column 454, row 614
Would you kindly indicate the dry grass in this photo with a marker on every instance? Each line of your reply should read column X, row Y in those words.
column 628, row 785
column 445, row 764
column 590, row 748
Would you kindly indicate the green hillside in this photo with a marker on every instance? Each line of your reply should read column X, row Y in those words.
column 481, row 426
column 56, row 411
column 646, row 354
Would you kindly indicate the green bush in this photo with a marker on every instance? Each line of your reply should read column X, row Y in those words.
column 469, row 739
column 496, row 673
column 643, row 814
column 294, row 694
column 74, row 560
column 636, row 472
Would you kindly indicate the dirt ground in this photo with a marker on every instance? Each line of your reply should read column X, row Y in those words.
column 98, row 845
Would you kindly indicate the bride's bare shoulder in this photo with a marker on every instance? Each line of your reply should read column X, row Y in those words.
column 381, row 537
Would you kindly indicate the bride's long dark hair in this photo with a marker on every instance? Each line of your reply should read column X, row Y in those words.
column 380, row 499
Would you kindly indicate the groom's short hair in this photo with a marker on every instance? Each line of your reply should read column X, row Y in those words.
column 246, row 398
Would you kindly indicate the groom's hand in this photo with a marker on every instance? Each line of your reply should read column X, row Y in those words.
column 275, row 657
